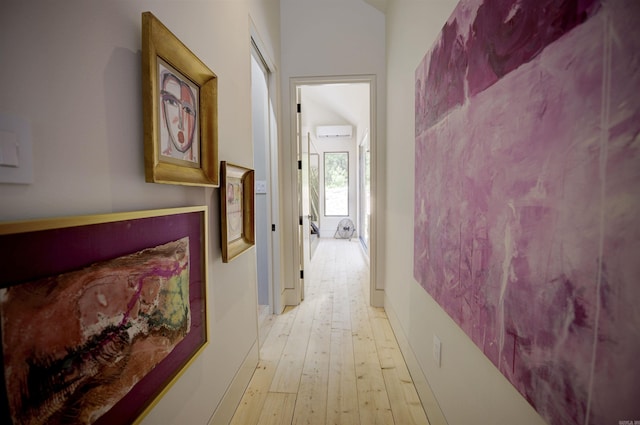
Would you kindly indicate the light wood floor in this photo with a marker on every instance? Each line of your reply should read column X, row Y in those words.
column 333, row 359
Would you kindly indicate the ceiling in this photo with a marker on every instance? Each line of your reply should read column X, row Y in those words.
column 381, row 5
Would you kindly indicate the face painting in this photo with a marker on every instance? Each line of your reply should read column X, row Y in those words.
column 179, row 111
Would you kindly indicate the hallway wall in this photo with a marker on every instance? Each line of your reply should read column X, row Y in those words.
column 329, row 38
column 72, row 70
column 467, row 387
column 587, row 80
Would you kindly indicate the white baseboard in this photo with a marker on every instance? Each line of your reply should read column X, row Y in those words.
column 290, row 297
column 428, row 399
column 378, row 298
column 227, row 407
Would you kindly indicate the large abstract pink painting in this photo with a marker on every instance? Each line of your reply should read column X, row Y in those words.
column 527, row 207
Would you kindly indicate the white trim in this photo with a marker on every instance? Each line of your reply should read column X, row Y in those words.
column 262, row 49
column 290, row 296
column 376, row 297
column 429, row 402
column 231, row 399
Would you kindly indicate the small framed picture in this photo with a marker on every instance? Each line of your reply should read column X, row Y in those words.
column 179, row 110
column 237, row 210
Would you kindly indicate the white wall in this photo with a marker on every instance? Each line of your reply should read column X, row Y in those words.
column 72, row 69
column 467, row 387
column 327, row 38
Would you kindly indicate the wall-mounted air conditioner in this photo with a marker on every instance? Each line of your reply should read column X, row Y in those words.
column 324, row 131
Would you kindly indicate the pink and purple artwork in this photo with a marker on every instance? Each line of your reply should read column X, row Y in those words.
column 527, row 206
column 76, row 343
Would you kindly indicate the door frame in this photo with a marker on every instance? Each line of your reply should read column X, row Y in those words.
column 276, row 297
column 376, row 295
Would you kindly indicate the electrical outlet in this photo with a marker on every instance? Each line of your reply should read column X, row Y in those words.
column 437, row 350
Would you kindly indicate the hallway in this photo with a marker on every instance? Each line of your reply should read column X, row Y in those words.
column 333, row 359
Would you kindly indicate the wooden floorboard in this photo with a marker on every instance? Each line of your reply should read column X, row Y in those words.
column 333, row 359
column 278, row 409
column 342, row 399
column 289, row 370
column 311, row 402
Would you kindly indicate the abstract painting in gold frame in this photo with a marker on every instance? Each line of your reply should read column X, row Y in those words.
column 180, row 111
column 237, row 210
column 99, row 314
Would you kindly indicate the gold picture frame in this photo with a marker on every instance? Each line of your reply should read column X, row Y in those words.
column 113, row 267
column 180, row 110
column 236, row 210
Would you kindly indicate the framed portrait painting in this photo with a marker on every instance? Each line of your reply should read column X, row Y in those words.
column 179, row 110
column 237, row 210
column 99, row 314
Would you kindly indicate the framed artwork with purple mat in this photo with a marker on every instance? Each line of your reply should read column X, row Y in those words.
column 99, row 314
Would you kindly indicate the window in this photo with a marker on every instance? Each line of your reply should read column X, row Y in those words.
column 336, row 184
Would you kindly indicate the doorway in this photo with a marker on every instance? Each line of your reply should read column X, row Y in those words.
column 265, row 159
column 335, row 145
